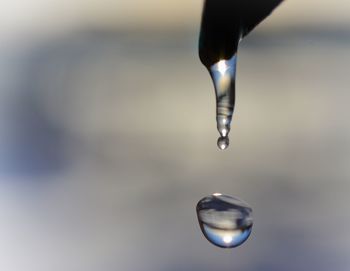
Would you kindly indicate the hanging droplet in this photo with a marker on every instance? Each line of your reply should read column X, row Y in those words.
column 224, row 24
column 223, row 74
column 224, row 220
column 223, row 142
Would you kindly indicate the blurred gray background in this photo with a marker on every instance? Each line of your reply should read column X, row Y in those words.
column 108, row 138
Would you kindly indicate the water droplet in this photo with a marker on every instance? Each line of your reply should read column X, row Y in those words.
column 223, row 74
column 224, row 220
column 223, row 25
column 223, row 142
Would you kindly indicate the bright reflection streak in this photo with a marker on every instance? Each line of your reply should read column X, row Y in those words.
column 224, row 132
column 217, row 194
column 227, row 239
column 222, row 66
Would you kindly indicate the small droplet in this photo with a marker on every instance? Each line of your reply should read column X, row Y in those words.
column 223, row 142
column 224, row 220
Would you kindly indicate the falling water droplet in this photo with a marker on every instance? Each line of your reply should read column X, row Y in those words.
column 224, row 220
column 223, row 74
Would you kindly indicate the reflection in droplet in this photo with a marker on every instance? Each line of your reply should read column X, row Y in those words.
column 224, row 220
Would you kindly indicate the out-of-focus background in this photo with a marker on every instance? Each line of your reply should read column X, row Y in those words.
column 108, row 138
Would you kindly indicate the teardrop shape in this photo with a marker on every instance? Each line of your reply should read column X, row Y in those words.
column 224, row 24
column 224, row 220
column 223, row 74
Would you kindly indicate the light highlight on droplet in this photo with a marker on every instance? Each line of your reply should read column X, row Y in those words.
column 222, row 66
column 227, row 239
